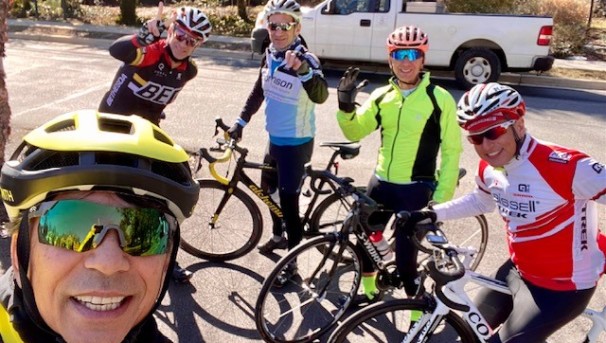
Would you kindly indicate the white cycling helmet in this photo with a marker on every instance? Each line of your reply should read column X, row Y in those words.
column 289, row 7
column 408, row 37
column 194, row 21
column 486, row 105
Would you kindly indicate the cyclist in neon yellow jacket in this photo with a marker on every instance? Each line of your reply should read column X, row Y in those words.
column 417, row 120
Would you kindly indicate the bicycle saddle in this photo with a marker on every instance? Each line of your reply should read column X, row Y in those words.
column 347, row 150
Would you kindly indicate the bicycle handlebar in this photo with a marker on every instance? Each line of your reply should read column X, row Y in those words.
column 439, row 241
column 344, row 184
column 227, row 146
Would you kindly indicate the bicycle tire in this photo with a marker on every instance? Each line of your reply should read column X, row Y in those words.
column 307, row 306
column 463, row 232
column 389, row 321
column 236, row 232
column 328, row 215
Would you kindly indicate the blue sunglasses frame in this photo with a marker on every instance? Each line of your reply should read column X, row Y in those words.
column 411, row 54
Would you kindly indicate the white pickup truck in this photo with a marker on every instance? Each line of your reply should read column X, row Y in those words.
column 478, row 47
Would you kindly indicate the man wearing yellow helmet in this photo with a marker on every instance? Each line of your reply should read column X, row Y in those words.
column 128, row 181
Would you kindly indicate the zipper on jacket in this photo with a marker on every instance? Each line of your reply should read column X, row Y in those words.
column 395, row 139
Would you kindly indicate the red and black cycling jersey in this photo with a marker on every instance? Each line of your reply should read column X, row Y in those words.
column 145, row 83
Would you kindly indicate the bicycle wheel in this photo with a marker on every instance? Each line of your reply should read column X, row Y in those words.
column 315, row 298
column 468, row 232
column 328, row 216
column 390, row 321
column 236, row 231
column 464, row 232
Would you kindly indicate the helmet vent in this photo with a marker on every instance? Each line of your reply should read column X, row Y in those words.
column 176, row 172
column 54, row 160
column 116, row 159
column 162, row 138
column 114, row 125
column 64, row 125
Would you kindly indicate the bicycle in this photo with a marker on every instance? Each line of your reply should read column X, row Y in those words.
column 328, row 275
column 448, row 313
column 227, row 223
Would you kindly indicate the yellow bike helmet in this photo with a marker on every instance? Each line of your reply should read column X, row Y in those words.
column 88, row 150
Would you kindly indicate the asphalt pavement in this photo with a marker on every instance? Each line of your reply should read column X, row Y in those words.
column 68, row 32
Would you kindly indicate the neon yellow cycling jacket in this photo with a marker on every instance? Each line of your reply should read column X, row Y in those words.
column 413, row 130
column 7, row 332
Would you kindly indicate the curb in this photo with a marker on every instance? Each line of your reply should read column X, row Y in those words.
column 71, row 33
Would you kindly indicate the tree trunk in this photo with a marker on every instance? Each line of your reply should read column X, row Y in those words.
column 242, row 11
column 5, row 111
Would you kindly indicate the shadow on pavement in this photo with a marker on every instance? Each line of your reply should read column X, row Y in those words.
column 227, row 304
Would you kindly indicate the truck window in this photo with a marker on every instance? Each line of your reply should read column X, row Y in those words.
column 345, row 7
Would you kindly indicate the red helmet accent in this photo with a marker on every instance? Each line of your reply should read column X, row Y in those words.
column 408, row 37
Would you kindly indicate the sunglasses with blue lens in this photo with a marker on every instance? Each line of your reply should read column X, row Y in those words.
column 411, row 54
column 79, row 225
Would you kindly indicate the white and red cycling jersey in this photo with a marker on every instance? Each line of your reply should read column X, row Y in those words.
column 548, row 198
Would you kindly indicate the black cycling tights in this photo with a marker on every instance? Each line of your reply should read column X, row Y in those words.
column 395, row 197
column 290, row 163
column 531, row 314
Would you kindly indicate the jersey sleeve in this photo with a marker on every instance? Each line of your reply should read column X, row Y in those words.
column 450, row 150
column 362, row 121
column 590, row 180
column 126, row 49
column 314, row 82
column 478, row 202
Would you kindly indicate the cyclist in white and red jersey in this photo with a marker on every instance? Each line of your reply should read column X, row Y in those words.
column 548, row 197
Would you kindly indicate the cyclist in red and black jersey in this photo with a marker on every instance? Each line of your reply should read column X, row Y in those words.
column 154, row 69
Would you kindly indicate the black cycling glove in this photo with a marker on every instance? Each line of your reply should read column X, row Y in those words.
column 235, row 131
column 423, row 216
column 145, row 37
column 347, row 89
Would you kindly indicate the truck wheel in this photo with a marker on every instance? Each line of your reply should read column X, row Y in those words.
column 477, row 65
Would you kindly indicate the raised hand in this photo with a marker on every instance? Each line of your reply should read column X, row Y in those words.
column 347, row 89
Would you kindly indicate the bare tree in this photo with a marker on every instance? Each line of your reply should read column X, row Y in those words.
column 5, row 110
column 242, row 11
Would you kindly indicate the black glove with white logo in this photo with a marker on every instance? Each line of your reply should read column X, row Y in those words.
column 146, row 37
column 235, row 131
column 347, row 89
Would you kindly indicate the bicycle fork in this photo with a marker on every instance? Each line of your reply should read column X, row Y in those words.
column 320, row 294
column 421, row 331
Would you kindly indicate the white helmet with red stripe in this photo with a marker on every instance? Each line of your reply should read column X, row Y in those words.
column 488, row 104
column 194, row 21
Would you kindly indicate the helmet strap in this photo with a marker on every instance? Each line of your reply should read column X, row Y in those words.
column 519, row 141
column 23, row 255
column 172, row 56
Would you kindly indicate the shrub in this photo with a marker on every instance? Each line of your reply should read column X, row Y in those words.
column 570, row 22
column 46, row 9
column 480, row 6
column 569, row 17
column 225, row 21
